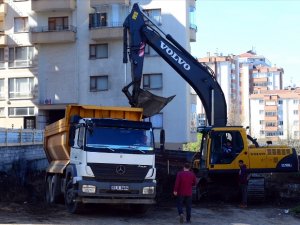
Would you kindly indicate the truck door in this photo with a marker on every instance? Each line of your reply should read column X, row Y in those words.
column 76, row 150
column 226, row 149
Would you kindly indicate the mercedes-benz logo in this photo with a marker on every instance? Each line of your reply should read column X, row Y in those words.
column 120, row 170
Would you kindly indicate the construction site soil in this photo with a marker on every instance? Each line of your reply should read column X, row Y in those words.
column 22, row 202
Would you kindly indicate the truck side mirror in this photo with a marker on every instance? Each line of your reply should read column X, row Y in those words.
column 72, row 135
column 162, row 140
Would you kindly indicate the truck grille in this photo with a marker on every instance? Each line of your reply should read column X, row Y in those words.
column 119, row 172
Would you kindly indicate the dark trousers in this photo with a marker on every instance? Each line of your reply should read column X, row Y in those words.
column 188, row 204
column 244, row 192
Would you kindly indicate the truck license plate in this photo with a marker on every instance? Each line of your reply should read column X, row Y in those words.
column 120, row 188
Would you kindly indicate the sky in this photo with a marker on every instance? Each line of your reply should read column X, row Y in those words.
column 270, row 27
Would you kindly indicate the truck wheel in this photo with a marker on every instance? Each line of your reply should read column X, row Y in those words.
column 70, row 197
column 140, row 209
column 48, row 189
column 53, row 193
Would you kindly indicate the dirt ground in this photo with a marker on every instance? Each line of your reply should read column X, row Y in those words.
column 202, row 214
column 23, row 203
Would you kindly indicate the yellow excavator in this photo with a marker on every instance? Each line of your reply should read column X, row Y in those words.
column 212, row 164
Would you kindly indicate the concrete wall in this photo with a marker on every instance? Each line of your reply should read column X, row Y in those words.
column 27, row 157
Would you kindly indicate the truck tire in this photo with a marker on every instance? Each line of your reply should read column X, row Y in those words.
column 53, row 193
column 48, row 189
column 70, row 197
column 139, row 208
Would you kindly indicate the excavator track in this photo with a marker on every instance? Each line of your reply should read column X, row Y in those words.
column 256, row 189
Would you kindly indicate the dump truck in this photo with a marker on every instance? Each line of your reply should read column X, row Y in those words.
column 101, row 155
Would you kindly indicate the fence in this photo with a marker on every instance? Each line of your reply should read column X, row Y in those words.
column 15, row 137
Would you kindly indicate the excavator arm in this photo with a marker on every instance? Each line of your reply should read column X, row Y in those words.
column 198, row 75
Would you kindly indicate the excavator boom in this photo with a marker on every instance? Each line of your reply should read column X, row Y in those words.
column 198, row 75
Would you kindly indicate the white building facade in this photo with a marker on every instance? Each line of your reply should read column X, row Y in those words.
column 275, row 115
column 71, row 51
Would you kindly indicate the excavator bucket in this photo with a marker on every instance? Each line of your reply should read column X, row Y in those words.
column 152, row 104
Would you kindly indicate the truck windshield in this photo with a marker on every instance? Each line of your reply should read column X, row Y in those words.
column 119, row 139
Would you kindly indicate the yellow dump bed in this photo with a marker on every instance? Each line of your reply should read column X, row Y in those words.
column 57, row 134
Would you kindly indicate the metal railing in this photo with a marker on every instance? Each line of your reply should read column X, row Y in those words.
column 53, row 29
column 15, row 137
column 106, row 25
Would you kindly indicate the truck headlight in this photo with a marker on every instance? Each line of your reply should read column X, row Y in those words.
column 148, row 190
column 88, row 188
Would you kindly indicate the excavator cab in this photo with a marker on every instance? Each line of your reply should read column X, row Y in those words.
column 222, row 148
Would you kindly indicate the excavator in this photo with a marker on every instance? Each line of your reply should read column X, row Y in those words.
column 213, row 167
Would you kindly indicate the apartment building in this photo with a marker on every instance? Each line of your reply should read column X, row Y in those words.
column 224, row 68
column 240, row 76
column 275, row 114
column 18, row 67
column 63, row 52
column 255, row 73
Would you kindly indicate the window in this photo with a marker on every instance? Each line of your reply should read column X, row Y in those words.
column 261, row 132
column 220, row 143
column 21, row 24
column 296, row 133
column 2, row 61
column 280, row 102
column 261, row 112
column 150, row 51
column 98, row 20
column 274, row 133
column 20, row 56
column 261, row 122
column 99, row 51
column 295, row 112
column 296, row 123
column 271, row 113
column 270, row 124
column 156, row 120
column 280, row 122
column 80, row 137
column 154, row 15
column 20, row 111
column 261, row 101
column 20, row 87
column 58, row 23
column 2, row 113
column 152, row 81
column 99, row 83
column 2, row 94
column 296, row 102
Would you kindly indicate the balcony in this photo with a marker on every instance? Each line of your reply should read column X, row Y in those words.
column 53, row 5
column 3, row 9
column 42, row 35
column 108, row 2
column 112, row 32
column 3, row 39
